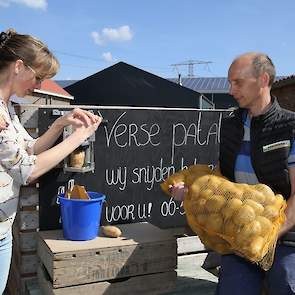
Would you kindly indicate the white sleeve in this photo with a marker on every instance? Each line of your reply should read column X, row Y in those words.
column 29, row 141
column 15, row 160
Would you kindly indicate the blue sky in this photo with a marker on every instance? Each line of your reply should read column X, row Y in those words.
column 88, row 36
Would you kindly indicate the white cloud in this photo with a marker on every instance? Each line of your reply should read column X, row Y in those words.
column 97, row 38
column 107, row 56
column 120, row 34
column 36, row 4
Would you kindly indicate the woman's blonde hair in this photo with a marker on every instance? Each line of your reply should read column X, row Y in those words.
column 30, row 50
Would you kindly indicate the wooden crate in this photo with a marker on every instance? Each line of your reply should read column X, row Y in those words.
column 24, row 259
column 144, row 253
column 145, row 285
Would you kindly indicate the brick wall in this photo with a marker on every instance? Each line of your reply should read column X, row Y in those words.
column 286, row 96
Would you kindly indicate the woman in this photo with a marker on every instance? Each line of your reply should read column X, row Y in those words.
column 24, row 63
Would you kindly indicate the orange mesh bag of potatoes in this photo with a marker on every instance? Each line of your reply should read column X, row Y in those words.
column 188, row 176
column 234, row 218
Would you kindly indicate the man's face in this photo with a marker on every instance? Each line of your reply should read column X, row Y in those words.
column 244, row 86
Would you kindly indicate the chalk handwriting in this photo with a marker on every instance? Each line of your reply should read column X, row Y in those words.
column 123, row 135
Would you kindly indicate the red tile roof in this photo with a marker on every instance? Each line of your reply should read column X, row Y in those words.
column 51, row 87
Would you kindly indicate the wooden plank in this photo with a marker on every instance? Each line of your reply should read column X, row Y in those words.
column 199, row 259
column 32, row 287
column 28, row 241
column 26, row 263
column 132, row 234
column 29, row 264
column 24, row 281
column 142, row 249
column 28, row 220
column 24, row 241
column 130, row 262
column 146, row 284
column 29, row 196
column 190, row 245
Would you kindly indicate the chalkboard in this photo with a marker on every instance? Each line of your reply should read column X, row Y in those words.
column 134, row 152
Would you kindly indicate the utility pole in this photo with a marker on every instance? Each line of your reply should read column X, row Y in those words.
column 190, row 63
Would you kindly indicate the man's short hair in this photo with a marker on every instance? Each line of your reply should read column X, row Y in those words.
column 263, row 64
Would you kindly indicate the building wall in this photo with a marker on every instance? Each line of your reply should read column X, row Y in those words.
column 286, row 96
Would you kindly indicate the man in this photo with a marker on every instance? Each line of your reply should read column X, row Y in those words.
column 257, row 146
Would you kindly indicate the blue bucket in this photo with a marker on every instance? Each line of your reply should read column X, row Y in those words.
column 81, row 218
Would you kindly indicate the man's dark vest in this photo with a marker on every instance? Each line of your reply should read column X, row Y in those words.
column 271, row 135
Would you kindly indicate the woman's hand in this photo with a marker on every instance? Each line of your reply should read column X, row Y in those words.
column 178, row 191
column 87, row 131
column 77, row 118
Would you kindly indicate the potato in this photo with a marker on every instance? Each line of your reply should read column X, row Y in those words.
column 214, row 222
column 279, row 202
column 77, row 158
column 251, row 229
column 266, row 225
column 215, row 203
column 190, row 179
column 231, row 207
column 235, row 192
column 230, row 229
column 194, row 191
column 266, row 190
column 111, row 231
column 214, row 183
column 199, row 206
column 203, row 181
column 244, row 215
column 199, row 170
column 256, row 246
column 258, row 208
column 269, row 200
column 206, row 194
column 226, row 187
column 258, row 197
column 271, row 212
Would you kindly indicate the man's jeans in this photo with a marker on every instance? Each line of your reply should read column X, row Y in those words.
column 239, row 277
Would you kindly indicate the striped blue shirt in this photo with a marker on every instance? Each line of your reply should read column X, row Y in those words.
column 244, row 172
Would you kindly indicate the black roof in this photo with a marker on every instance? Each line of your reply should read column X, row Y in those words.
column 125, row 85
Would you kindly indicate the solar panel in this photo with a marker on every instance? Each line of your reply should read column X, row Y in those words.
column 208, row 84
column 205, row 84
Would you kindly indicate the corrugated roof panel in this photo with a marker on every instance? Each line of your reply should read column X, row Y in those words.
column 206, row 85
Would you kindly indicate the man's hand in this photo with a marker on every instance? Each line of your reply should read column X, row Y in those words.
column 178, row 191
column 290, row 216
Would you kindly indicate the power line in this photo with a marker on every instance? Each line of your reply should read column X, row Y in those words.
column 78, row 56
column 190, row 63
